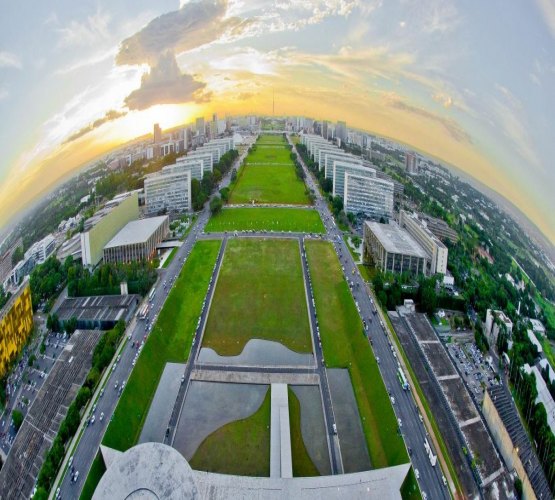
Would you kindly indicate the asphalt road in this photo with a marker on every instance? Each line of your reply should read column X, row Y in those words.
column 412, row 429
column 92, row 436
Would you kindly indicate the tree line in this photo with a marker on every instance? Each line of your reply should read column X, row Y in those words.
column 102, row 355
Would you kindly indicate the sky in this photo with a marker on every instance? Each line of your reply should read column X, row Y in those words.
column 471, row 83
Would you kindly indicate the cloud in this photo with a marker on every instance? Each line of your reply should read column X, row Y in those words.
column 165, row 84
column 192, row 26
column 548, row 10
column 444, row 99
column 3, row 94
column 508, row 113
column 88, row 33
column 9, row 60
column 452, row 127
column 110, row 115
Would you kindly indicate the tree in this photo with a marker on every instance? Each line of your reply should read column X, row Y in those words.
column 337, row 204
column 234, row 175
column 17, row 255
column 217, row 176
column 428, row 300
column 215, row 205
column 17, row 418
column 70, row 325
column 224, row 194
column 327, row 185
column 52, row 322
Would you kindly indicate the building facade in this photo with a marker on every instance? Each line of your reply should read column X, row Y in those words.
column 168, row 191
column 16, row 324
column 102, row 227
column 495, row 321
column 411, row 163
column 341, row 168
column 364, row 194
column 392, row 249
column 436, row 250
column 138, row 240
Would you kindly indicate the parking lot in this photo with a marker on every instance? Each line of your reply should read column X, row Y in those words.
column 25, row 381
column 473, row 367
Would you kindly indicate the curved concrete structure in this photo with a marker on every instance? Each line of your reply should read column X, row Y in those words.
column 154, row 470
column 146, row 471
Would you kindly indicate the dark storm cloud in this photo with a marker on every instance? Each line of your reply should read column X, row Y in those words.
column 165, row 84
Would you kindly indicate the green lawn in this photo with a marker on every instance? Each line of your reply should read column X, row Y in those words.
column 266, row 219
column 169, row 341
column 303, row 466
column 259, row 295
column 268, row 184
column 168, row 261
column 410, row 489
column 96, row 472
column 345, row 346
column 269, row 154
column 271, row 139
column 241, row 447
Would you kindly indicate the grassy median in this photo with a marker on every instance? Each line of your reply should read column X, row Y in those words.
column 266, row 219
column 241, row 447
column 169, row 341
column 259, row 295
column 345, row 346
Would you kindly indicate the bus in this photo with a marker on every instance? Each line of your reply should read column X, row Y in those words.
column 143, row 311
column 151, row 295
column 402, row 379
column 429, row 452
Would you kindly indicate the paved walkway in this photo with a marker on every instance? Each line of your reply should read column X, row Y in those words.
column 281, row 463
column 241, row 377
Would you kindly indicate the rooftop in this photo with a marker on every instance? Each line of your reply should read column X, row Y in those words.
column 155, row 470
column 102, row 308
column 396, row 240
column 136, row 231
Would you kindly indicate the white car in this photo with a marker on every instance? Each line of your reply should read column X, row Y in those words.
column 417, row 473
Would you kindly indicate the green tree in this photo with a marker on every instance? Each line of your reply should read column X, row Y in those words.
column 17, row 418
column 215, row 205
column 224, row 194
column 17, row 255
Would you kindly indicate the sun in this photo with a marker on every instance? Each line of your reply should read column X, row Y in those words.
column 138, row 123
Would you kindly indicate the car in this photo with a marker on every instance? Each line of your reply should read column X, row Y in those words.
column 444, row 480
column 400, row 422
column 392, row 400
column 334, row 429
column 101, row 417
column 417, row 473
column 92, row 419
column 116, row 385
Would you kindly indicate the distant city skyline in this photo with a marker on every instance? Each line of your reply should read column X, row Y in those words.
column 471, row 84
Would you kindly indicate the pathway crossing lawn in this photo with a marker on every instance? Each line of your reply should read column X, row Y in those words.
column 346, row 346
column 269, row 184
column 266, row 219
column 241, row 447
column 170, row 340
column 259, row 294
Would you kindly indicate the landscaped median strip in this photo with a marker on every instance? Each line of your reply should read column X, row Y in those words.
column 170, row 341
column 429, row 421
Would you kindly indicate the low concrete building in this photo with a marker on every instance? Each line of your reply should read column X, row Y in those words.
column 544, row 396
column 436, row 250
column 512, row 441
column 138, row 240
column 393, row 249
column 98, row 312
column 159, row 471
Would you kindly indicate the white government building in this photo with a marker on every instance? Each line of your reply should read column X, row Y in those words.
column 170, row 189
